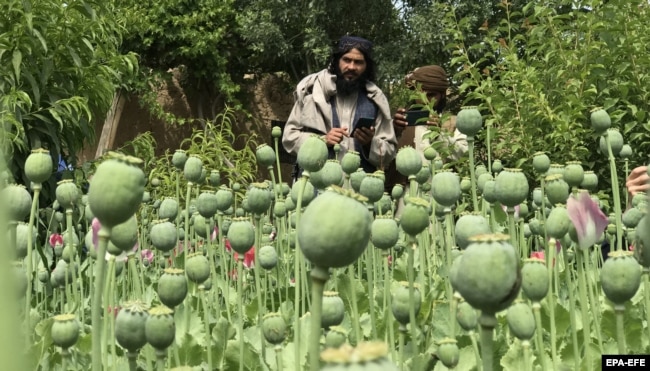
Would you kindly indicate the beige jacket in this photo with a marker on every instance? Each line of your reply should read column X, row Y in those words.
column 312, row 114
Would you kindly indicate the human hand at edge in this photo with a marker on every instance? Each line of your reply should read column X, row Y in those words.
column 637, row 181
column 336, row 135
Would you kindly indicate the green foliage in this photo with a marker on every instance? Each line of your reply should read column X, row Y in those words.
column 62, row 69
column 195, row 34
column 218, row 147
column 597, row 50
column 296, row 36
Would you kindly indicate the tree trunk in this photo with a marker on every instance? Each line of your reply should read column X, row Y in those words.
column 111, row 123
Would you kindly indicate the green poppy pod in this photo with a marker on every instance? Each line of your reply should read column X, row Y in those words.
column 430, row 154
column 172, row 287
column 556, row 189
column 615, row 139
column 470, row 225
column 489, row 192
column 125, row 235
column 350, row 162
column 265, row 155
column 558, row 222
column 168, row 209
column 372, row 187
column 241, row 235
column 521, row 320
column 130, row 324
column 22, row 234
column 482, row 179
column 483, row 287
column 401, row 304
column 159, row 327
column 283, row 189
column 511, row 187
column 267, row 257
column 280, row 209
column 274, row 328
column 480, row 169
column 179, row 158
column 336, row 337
column 632, row 216
column 408, row 161
column 224, row 198
column 116, row 190
column 259, row 198
column 214, row 178
column 534, row 279
column 333, row 309
column 423, row 175
column 445, row 188
column 397, row 192
column 497, row 166
column 448, row 352
column 312, row 154
column 163, row 235
column 555, row 169
column 65, row 330
column 536, row 227
column 466, row 316
column 307, row 195
column 620, row 276
column 573, row 173
column 335, row 228
column 384, row 232
column 415, row 216
column 590, row 181
column 626, row 152
column 67, row 194
column 38, row 166
column 356, row 178
column 206, row 204
column 469, row 121
column 465, row 184
column 600, row 120
column 330, row 174
column 541, row 162
column 197, row 268
column 203, row 227
column 642, row 242
column 193, row 168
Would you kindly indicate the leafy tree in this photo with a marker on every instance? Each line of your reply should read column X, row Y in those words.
column 296, row 37
column 61, row 69
column 197, row 36
column 538, row 73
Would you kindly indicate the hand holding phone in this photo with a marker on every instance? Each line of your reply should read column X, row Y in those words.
column 363, row 122
column 417, row 117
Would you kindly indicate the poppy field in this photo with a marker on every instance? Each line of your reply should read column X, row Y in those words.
column 477, row 271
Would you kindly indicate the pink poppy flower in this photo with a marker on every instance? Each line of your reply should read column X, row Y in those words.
column 56, row 240
column 505, row 210
column 227, row 245
column 96, row 226
column 249, row 258
column 588, row 219
column 147, row 255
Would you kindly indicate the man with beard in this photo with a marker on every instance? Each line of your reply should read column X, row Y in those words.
column 330, row 102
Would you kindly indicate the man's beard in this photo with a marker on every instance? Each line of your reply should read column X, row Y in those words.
column 348, row 87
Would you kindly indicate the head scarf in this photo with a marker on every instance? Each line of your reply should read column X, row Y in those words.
column 347, row 43
column 432, row 78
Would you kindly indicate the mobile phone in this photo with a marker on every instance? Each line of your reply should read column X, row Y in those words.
column 363, row 122
column 417, row 117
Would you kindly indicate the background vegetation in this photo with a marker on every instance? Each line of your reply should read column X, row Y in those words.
column 535, row 69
